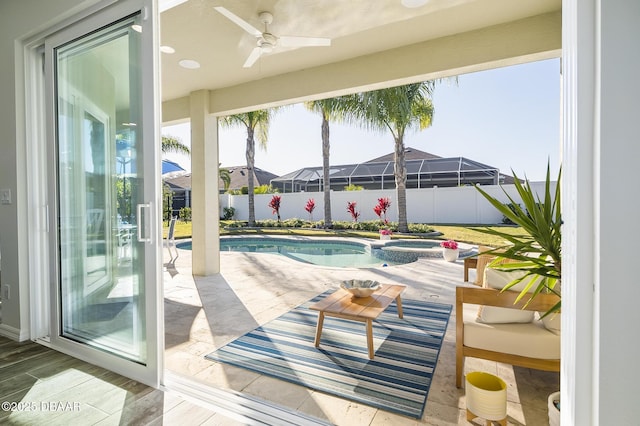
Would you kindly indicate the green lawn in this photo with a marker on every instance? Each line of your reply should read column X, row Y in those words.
column 461, row 233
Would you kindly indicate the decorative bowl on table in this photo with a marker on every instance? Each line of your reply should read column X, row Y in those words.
column 360, row 288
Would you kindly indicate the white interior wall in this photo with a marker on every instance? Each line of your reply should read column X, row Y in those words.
column 617, row 213
column 19, row 21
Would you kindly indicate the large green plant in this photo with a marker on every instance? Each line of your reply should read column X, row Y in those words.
column 538, row 252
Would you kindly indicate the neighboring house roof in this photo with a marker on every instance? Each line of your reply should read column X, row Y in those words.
column 239, row 178
column 409, row 154
column 180, row 182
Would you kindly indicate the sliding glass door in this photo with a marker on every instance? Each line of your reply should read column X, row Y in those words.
column 106, row 183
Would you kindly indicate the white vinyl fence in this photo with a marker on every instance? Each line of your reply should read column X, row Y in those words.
column 463, row 205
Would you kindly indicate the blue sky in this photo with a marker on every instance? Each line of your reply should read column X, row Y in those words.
column 507, row 118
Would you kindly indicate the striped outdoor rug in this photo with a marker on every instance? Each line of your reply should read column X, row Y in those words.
column 397, row 379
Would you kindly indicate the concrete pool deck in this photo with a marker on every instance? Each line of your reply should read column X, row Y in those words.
column 203, row 314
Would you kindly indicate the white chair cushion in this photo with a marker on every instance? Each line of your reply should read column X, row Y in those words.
column 494, row 278
column 498, row 315
column 531, row 339
column 552, row 322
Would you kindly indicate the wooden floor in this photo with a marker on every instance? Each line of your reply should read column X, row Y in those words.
column 40, row 386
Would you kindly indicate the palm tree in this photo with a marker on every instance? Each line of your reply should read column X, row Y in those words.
column 254, row 121
column 225, row 177
column 330, row 109
column 174, row 145
column 396, row 109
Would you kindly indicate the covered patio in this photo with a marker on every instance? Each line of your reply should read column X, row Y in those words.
column 205, row 313
column 212, row 298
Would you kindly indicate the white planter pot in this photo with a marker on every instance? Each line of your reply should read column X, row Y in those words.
column 486, row 397
column 554, row 413
column 450, row 255
column 385, row 237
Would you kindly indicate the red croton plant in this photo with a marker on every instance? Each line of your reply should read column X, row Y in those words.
column 275, row 205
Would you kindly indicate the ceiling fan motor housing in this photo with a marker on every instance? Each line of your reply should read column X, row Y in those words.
column 267, row 42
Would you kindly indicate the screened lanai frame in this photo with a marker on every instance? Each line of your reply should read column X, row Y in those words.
column 424, row 173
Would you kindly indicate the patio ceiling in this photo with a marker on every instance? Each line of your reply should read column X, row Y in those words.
column 372, row 44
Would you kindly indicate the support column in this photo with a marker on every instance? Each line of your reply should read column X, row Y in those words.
column 204, row 186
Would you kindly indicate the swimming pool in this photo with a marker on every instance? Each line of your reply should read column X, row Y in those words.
column 336, row 253
column 340, row 253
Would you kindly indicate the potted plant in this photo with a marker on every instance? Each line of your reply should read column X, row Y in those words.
column 554, row 409
column 537, row 252
column 385, row 234
column 449, row 250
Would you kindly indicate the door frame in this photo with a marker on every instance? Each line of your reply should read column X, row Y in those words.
column 44, row 301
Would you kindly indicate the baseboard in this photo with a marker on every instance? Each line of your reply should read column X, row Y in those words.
column 13, row 333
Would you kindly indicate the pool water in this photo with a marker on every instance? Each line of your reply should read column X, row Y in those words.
column 336, row 254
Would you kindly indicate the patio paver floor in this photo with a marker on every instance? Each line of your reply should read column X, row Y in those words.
column 203, row 314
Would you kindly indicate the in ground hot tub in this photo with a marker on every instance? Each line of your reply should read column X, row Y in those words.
column 406, row 251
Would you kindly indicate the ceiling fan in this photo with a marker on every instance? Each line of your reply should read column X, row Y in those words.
column 265, row 40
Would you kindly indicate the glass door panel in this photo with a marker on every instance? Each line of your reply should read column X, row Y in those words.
column 100, row 186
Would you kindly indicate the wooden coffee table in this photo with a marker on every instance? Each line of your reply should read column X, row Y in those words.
column 342, row 304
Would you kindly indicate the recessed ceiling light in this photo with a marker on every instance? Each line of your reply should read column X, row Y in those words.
column 137, row 28
column 167, row 49
column 189, row 64
column 414, row 3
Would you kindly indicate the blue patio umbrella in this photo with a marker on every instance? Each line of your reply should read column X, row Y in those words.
column 170, row 167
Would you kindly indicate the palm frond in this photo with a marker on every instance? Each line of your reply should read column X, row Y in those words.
column 538, row 251
column 174, row 145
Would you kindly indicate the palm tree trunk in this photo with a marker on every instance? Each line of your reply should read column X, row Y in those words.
column 325, row 173
column 251, row 154
column 400, row 174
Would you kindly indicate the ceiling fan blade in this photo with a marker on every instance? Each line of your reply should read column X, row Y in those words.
column 239, row 21
column 253, row 57
column 289, row 41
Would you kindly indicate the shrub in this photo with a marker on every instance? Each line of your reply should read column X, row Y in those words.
column 420, row 228
column 513, row 207
column 294, row 223
column 185, row 214
column 228, row 213
column 370, row 226
column 264, row 189
column 237, row 224
column 353, row 187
